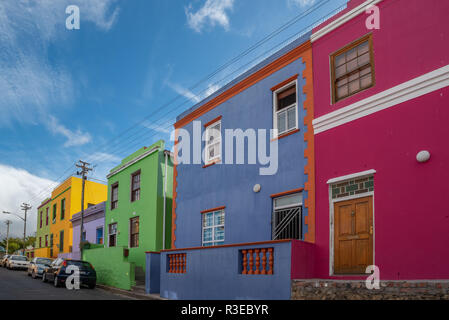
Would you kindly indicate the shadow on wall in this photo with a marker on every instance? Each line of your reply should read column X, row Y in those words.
column 112, row 267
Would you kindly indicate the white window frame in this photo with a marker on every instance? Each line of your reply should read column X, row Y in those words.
column 275, row 105
column 213, row 242
column 207, row 145
column 109, row 234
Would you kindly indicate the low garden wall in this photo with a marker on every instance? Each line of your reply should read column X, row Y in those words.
column 112, row 267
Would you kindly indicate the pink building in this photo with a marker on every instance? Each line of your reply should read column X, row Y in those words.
column 382, row 146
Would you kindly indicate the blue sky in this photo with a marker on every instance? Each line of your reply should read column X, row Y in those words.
column 66, row 94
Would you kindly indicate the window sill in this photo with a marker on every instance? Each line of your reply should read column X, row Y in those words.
column 285, row 135
column 210, row 164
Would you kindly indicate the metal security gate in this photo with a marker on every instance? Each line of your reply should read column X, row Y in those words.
column 287, row 223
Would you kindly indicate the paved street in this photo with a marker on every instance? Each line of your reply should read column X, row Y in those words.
column 16, row 285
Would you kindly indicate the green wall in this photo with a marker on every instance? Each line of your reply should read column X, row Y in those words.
column 149, row 208
column 113, row 269
column 45, row 230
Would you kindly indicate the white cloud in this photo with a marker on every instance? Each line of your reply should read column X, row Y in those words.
column 301, row 3
column 30, row 86
column 213, row 12
column 195, row 98
column 18, row 186
column 74, row 138
column 104, row 157
column 161, row 126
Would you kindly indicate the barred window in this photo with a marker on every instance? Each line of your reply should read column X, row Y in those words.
column 287, row 217
column 134, row 234
column 62, row 209
column 352, row 69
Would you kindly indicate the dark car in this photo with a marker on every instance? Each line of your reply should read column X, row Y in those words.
column 56, row 272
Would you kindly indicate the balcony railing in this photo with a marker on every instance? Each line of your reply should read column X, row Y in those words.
column 177, row 263
column 257, row 261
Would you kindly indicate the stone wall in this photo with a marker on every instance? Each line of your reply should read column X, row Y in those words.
column 356, row 290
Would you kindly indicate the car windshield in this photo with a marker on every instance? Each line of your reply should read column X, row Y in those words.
column 44, row 261
column 19, row 258
column 81, row 264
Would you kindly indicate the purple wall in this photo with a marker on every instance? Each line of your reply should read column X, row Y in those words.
column 93, row 219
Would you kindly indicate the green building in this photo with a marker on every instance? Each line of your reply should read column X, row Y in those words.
column 43, row 235
column 137, row 216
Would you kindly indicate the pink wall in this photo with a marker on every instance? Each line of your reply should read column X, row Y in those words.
column 303, row 260
column 411, row 204
column 408, row 44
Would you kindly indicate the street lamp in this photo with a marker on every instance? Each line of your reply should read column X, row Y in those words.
column 24, row 227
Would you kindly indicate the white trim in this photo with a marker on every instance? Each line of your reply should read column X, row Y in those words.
column 409, row 90
column 126, row 165
column 351, row 176
column 343, row 19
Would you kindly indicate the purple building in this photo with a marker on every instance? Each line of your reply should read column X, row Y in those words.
column 93, row 229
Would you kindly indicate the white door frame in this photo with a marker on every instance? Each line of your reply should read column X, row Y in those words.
column 332, row 203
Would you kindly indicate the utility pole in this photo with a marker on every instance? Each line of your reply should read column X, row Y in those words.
column 84, row 166
column 25, row 207
column 7, row 235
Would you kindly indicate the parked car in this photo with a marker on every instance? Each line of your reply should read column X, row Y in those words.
column 37, row 266
column 4, row 260
column 56, row 272
column 17, row 262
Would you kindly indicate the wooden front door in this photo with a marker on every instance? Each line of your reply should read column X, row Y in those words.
column 353, row 236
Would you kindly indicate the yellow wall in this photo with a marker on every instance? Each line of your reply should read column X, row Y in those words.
column 70, row 190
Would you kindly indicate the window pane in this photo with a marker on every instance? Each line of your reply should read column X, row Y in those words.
column 354, row 86
column 207, row 235
column 342, row 82
column 339, row 60
column 342, row 91
column 364, row 59
column 219, row 233
column 294, row 199
column 351, row 54
column 352, row 65
column 340, row 71
column 219, row 218
column 363, row 48
column 286, row 98
column 354, row 76
column 291, row 118
column 366, row 81
column 208, row 219
column 282, row 121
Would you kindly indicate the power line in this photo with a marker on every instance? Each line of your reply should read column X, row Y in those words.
column 103, row 148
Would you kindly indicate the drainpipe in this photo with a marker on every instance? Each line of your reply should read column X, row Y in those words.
column 165, row 202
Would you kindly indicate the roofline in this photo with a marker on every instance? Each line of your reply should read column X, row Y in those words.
column 131, row 162
column 247, row 80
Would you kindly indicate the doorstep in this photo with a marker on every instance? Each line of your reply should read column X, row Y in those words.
column 139, row 295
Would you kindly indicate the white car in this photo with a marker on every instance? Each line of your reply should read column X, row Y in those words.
column 17, row 262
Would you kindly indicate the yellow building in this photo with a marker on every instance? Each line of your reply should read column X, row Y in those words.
column 54, row 234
